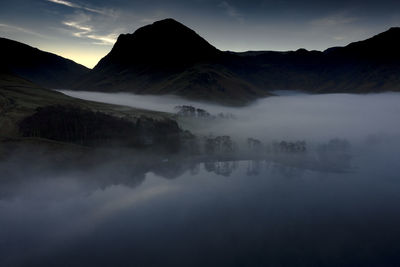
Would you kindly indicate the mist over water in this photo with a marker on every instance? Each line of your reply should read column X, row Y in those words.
column 317, row 208
column 289, row 116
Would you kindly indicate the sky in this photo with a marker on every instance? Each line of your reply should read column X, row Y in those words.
column 85, row 31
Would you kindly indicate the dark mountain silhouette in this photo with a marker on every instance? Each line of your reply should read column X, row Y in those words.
column 165, row 43
column 383, row 47
column 32, row 114
column 372, row 65
column 43, row 68
column 166, row 57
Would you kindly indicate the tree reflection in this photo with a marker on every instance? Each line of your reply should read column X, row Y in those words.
column 253, row 167
column 224, row 168
column 106, row 167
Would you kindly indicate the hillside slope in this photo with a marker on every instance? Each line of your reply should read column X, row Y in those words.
column 166, row 57
column 42, row 68
column 28, row 111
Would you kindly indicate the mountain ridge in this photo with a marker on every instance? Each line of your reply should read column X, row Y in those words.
column 43, row 68
column 159, row 42
column 167, row 57
column 187, row 65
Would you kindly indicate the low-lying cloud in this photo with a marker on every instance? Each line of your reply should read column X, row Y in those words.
column 294, row 117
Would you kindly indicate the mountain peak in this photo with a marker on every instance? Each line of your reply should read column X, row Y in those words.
column 392, row 34
column 394, row 29
column 164, row 42
column 168, row 25
column 168, row 21
column 43, row 68
column 381, row 47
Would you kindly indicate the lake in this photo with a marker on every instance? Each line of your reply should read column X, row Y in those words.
column 318, row 208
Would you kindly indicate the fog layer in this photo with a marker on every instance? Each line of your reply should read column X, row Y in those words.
column 332, row 204
column 289, row 116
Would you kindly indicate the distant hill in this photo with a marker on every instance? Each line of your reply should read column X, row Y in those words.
column 165, row 43
column 30, row 113
column 372, row 65
column 382, row 48
column 43, row 68
column 166, row 57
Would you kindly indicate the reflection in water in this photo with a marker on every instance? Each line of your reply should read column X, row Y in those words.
column 319, row 208
column 261, row 190
column 224, row 168
column 253, row 167
column 106, row 168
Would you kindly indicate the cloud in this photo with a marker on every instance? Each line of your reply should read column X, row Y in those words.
column 65, row 3
column 108, row 12
column 339, row 38
column 108, row 39
column 148, row 20
column 86, row 31
column 334, row 20
column 12, row 28
column 89, row 23
column 75, row 25
column 340, row 27
column 296, row 116
column 231, row 11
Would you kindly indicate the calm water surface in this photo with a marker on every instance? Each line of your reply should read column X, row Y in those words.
column 247, row 213
column 330, row 210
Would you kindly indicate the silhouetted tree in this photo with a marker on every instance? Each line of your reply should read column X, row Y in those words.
column 284, row 146
column 254, row 144
column 68, row 123
column 219, row 144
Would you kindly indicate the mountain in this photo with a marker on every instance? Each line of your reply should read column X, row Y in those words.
column 42, row 117
column 383, row 48
column 371, row 65
column 165, row 43
column 42, row 68
column 166, row 57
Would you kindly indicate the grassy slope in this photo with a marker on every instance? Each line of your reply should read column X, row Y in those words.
column 42, row 68
column 19, row 99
